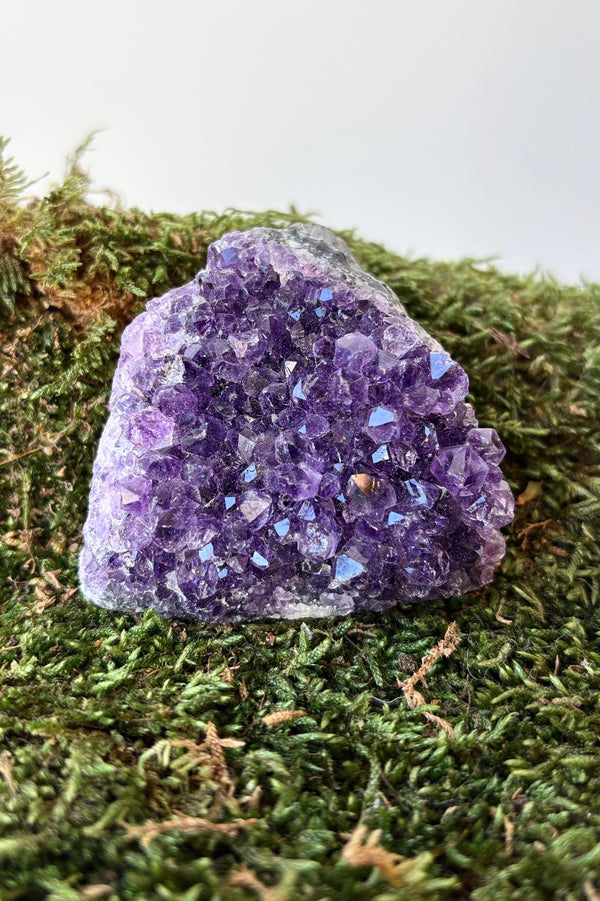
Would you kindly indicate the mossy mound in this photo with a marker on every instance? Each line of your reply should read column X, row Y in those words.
column 260, row 759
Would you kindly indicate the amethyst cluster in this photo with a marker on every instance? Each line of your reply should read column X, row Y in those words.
column 285, row 441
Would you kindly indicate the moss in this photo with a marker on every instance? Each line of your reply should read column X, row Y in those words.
column 104, row 717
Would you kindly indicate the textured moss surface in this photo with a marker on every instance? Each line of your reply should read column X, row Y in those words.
column 108, row 721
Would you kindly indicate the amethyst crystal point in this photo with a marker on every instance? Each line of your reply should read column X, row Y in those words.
column 284, row 441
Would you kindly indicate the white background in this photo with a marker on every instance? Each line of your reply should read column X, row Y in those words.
column 439, row 127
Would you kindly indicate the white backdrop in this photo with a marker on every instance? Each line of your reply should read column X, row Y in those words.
column 439, row 127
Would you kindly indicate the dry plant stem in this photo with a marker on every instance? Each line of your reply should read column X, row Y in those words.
column 280, row 716
column 246, row 878
column 443, row 648
column 151, row 830
column 364, row 850
column 7, row 771
column 414, row 698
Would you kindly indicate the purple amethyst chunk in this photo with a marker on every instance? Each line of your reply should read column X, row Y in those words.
column 285, row 441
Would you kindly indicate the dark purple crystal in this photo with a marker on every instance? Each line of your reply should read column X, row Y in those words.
column 285, row 441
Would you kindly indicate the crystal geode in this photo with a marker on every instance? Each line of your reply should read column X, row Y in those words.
column 285, row 441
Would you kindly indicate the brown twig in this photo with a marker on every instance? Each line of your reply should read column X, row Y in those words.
column 523, row 535
column 151, row 829
column 217, row 760
column 507, row 341
column 414, row 698
column 34, row 450
column 7, row 771
column 443, row 648
column 208, row 754
column 365, row 851
column 246, row 878
column 281, row 716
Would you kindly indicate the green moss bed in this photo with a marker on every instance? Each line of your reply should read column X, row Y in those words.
column 148, row 759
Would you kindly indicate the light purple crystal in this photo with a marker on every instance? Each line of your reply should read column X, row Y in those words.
column 285, row 441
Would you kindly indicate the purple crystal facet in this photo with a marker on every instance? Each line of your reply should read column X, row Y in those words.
column 285, row 441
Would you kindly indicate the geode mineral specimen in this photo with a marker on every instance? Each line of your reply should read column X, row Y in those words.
column 285, row 441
